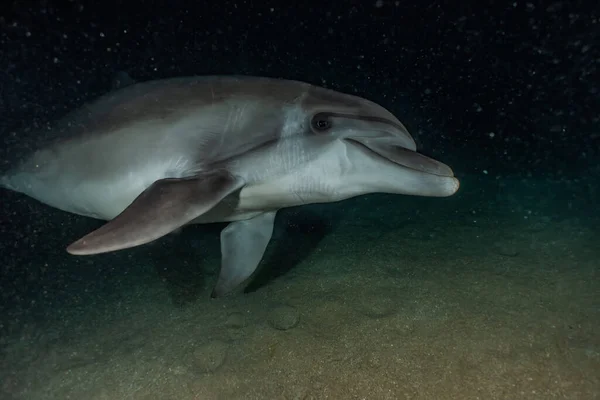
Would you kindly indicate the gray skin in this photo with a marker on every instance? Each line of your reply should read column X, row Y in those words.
column 155, row 156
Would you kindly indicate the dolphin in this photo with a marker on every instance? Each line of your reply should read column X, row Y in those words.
column 154, row 156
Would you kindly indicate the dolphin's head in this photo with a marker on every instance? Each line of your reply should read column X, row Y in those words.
column 379, row 155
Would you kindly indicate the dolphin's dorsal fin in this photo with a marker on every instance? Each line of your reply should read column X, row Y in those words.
column 163, row 207
column 121, row 80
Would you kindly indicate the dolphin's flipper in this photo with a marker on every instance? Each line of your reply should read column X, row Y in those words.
column 243, row 244
column 163, row 207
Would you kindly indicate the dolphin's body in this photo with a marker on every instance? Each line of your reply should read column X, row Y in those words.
column 154, row 156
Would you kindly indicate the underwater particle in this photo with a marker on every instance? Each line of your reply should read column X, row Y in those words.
column 284, row 317
column 210, row 356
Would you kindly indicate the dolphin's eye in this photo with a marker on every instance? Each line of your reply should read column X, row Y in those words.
column 321, row 123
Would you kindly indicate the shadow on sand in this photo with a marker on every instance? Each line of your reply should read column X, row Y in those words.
column 187, row 261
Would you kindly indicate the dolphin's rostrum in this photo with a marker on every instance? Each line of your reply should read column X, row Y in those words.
column 154, row 156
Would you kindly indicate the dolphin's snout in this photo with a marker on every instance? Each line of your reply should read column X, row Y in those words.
column 412, row 159
column 406, row 157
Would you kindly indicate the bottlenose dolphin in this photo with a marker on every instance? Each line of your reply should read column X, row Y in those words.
column 155, row 156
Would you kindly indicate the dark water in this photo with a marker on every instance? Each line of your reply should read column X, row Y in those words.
column 492, row 293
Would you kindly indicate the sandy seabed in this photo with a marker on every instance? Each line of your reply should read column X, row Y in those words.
column 498, row 308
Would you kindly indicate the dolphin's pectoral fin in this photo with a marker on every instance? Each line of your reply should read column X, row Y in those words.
column 243, row 244
column 163, row 207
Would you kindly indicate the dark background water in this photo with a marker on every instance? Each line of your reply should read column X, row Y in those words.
column 492, row 88
column 502, row 86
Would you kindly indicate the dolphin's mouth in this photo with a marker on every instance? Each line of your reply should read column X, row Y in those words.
column 407, row 158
